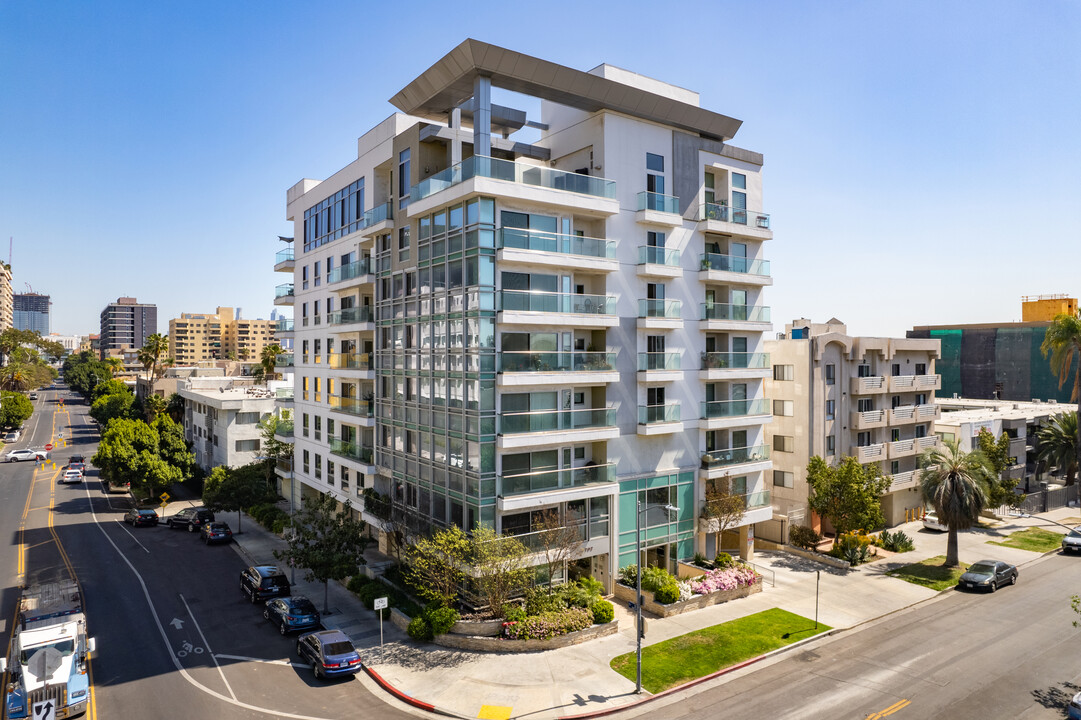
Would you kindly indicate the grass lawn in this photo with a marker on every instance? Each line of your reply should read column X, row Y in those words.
column 930, row 573
column 1033, row 539
column 694, row 655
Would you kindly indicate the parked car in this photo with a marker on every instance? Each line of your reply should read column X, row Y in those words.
column 1074, row 712
column 931, row 522
column 12, row 436
column 1071, row 541
column 330, row 653
column 988, row 575
column 72, row 476
column 261, row 582
column 191, row 518
column 295, row 612
column 212, row 532
column 136, row 517
column 33, row 396
column 26, row 454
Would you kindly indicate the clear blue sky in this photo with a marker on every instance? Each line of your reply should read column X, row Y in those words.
column 923, row 162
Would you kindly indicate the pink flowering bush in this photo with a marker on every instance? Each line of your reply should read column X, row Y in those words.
column 549, row 624
column 728, row 578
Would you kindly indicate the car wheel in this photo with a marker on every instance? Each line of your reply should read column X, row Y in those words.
column 266, row 613
column 191, row 528
column 300, row 654
column 254, row 599
column 283, row 629
column 994, row 585
column 1013, row 580
column 315, row 670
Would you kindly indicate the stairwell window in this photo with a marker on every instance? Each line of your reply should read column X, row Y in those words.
column 831, row 445
column 831, row 374
column 830, row 405
column 403, row 178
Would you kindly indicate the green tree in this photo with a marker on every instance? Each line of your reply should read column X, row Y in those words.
column 109, row 387
column 173, row 448
column 328, row 543
column 84, row 372
column 1062, row 341
column 1057, row 440
column 128, row 453
column 849, row 495
column 153, row 405
column 499, row 566
column 955, row 483
column 434, row 565
column 273, row 449
column 268, row 358
column 115, row 365
column 229, row 490
column 110, row 407
column 1002, row 489
column 151, row 355
column 175, row 407
column 15, row 409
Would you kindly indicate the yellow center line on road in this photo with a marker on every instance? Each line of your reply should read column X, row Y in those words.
column 899, row 705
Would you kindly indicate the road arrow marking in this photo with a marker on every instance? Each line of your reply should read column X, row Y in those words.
column 177, row 623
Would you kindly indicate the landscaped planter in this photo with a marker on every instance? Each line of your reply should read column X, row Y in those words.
column 626, row 594
column 478, row 628
column 818, row 557
column 503, row 645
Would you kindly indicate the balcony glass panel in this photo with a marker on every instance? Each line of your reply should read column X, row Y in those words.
column 659, row 308
column 351, row 361
column 734, row 263
column 283, row 255
column 351, row 450
column 350, row 271
column 658, row 361
column 668, row 413
column 353, row 406
column 482, row 166
column 658, row 202
column 378, row 214
column 549, row 420
column 551, row 302
column 283, row 360
column 648, row 254
column 556, row 479
column 738, row 216
column 284, row 428
column 285, row 393
column 361, row 314
column 735, row 456
column 283, row 290
column 734, row 408
column 523, row 239
column 284, row 325
column 739, row 361
column 526, row 361
column 536, row 541
column 748, row 313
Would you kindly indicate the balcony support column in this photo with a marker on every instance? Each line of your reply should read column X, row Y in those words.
column 456, row 143
column 746, row 542
column 482, row 116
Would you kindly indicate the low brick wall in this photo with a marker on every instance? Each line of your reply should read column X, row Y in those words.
column 399, row 619
column 626, row 594
column 483, row 628
column 501, row 645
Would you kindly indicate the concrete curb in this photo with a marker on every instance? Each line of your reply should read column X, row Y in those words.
column 409, row 699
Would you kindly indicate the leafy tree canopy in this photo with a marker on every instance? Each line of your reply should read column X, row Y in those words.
column 1000, row 489
column 848, row 495
column 109, row 387
column 234, row 489
column 434, row 565
column 15, row 409
column 112, row 407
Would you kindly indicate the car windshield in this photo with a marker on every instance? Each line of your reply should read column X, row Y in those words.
column 338, row 648
column 218, row 527
column 1076, row 532
column 147, row 513
column 303, row 606
column 982, row 569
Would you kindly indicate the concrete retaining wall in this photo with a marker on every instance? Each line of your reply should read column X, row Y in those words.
column 498, row 644
column 626, row 594
column 818, row 557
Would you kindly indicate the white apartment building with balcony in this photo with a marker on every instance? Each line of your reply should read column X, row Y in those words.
column 836, row 395
column 498, row 316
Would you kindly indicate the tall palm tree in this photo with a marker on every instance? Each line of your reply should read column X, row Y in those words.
column 115, row 365
column 954, row 483
column 1063, row 341
column 1058, row 443
column 268, row 358
column 151, row 353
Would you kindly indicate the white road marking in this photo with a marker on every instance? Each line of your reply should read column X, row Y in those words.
column 122, row 527
column 207, row 646
column 286, row 663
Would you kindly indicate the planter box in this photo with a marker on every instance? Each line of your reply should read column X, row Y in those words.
column 483, row 628
column 818, row 557
column 502, row 645
column 626, row 594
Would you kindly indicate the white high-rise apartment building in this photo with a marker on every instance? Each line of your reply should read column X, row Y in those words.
column 498, row 317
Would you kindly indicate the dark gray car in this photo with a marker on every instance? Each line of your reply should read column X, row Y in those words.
column 988, row 575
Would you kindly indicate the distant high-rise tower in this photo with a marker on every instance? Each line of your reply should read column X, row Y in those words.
column 31, row 312
column 127, row 323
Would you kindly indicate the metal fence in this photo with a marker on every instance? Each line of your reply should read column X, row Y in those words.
column 1043, row 500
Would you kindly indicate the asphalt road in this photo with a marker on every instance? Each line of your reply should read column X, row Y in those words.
column 1010, row 654
column 174, row 634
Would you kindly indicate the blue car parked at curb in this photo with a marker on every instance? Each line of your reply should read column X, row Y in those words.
column 329, row 652
column 295, row 612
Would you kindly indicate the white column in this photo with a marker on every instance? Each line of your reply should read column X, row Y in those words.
column 482, row 116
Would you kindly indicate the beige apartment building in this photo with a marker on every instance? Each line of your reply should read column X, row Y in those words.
column 198, row 337
column 835, row 395
column 7, row 298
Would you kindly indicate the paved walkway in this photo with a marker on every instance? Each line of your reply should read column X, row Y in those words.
column 578, row 679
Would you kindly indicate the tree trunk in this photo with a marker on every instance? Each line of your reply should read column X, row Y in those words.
column 951, row 547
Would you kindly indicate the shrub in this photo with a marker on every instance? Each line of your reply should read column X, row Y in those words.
column 603, row 612
column 581, row 593
column 852, row 548
column 279, row 526
column 723, row 560
column 550, row 624
column 667, row 594
column 654, row 578
column 419, row 629
column 895, row 542
column 628, row 575
column 513, row 613
column 731, row 578
column 539, row 601
column 803, row 537
column 357, row 582
column 441, row 619
column 700, row 560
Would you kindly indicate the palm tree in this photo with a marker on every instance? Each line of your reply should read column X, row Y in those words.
column 1063, row 341
column 150, row 355
column 954, row 483
column 268, row 358
column 115, row 364
column 1058, row 444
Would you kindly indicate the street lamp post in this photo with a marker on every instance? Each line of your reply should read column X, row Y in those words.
column 1043, row 519
column 638, row 592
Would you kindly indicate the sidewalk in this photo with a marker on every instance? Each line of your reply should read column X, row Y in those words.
column 578, row 679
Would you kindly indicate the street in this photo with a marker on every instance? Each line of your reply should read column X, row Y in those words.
column 174, row 634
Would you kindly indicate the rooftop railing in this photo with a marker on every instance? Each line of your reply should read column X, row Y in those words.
column 536, row 175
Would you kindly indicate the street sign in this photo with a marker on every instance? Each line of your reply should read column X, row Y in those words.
column 48, row 447
column 380, row 603
column 45, row 710
column 164, row 497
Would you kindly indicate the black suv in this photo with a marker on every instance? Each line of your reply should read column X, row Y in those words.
column 191, row 518
column 262, row 582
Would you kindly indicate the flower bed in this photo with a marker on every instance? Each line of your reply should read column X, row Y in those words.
column 504, row 645
column 713, row 587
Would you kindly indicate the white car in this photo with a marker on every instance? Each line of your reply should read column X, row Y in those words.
column 72, row 475
column 26, row 454
column 931, row 522
column 12, row 436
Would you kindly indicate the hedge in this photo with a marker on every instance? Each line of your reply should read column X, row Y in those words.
column 550, row 624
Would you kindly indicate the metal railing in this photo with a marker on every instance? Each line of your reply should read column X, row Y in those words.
column 549, row 420
column 739, row 361
column 658, row 361
column 736, row 313
column 555, row 302
column 735, row 456
column 557, row 479
column 733, row 408
column 733, row 263
column 521, row 173
column 522, row 239
column 528, row 361
column 658, row 202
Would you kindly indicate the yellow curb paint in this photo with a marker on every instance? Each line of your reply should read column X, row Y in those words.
column 494, row 712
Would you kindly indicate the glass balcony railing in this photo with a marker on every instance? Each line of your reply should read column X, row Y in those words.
column 536, row 175
column 658, row 361
column 378, row 214
column 283, row 290
column 649, row 308
column 285, row 393
column 656, row 201
column 549, row 420
column 541, row 480
column 648, row 414
column 351, row 449
column 353, row 406
column 650, row 255
column 741, row 313
column 284, row 428
column 734, row 263
column 527, row 361
column 734, row 408
column 735, row 456
column 738, row 216
column 284, row 325
column 351, row 361
column 350, row 271
column 283, row 256
column 523, row 239
column 739, row 361
column 552, row 302
column 538, row 541
column 347, row 316
column 283, row 360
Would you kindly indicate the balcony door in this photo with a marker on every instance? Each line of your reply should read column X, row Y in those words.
column 738, row 253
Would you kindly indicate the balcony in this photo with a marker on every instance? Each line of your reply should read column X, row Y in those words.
column 284, row 430
column 596, row 532
column 654, row 314
column 283, row 360
column 757, row 507
column 902, row 481
column 283, row 260
column 720, row 218
column 660, row 366
column 283, row 468
column 377, row 220
column 927, row 442
column 869, row 453
column 283, row 326
column 526, row 307
column 930, row 413
column 352, row 406
column 718, row 316
column 659, row 419
column 283, row 294
column 360, row 272
column 734, row 269
column 720, row 414
column 351, row 361
column 902, row 448
column 546, row 368
column 915, row 383
column 351, row 450
column 719, row 462
column 548, row 480
column 284, row 396
column 556, row 427
column 352, row 319
column 874, row 385
column 658, row 262
column 903, row 415
column 532, row 183
column 534, row 247
column 726, row 365
column 869, row 419
column 657, row 209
